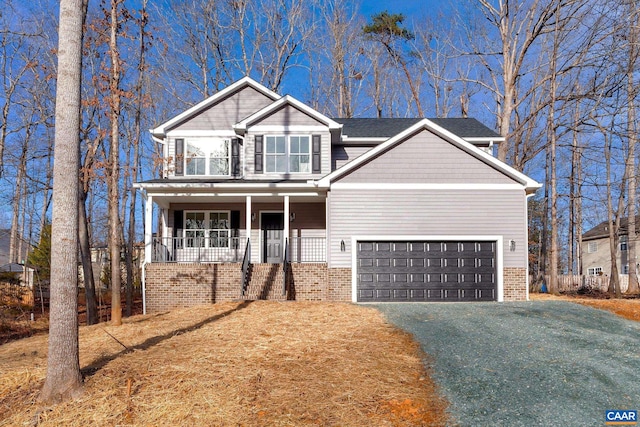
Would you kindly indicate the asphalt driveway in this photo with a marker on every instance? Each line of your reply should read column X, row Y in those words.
column 540, row 363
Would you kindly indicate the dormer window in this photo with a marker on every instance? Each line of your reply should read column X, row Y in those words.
column 287, row 154
column 207, row 156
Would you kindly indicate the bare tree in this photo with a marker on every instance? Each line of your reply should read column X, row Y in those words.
column 64, row 379
column 632, row 139
column 113, row 168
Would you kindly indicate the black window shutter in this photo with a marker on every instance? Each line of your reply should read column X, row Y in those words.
column 258, row 154
column 235, row 223
column 235, row 157
column 178, row 222
column 316, row 154
column 179, row 162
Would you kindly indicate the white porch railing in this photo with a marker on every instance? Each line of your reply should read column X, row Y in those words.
column 194, row 249
column 191, row 249
column 307, row 249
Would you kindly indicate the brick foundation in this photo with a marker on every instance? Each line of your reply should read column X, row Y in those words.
column 316, row 282
column 515, row 284
column 177, row 285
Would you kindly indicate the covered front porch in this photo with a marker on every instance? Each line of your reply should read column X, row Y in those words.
column 267, row 227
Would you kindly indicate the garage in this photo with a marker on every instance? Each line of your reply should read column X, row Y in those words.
column 426, row 271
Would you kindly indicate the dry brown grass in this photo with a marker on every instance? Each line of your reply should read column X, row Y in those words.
column 245, row 364
column 627, row 308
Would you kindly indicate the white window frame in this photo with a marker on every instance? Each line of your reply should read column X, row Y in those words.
column 592, row 247
column 594, row 271
column 208, row 155
column 625, row 269
column 288, row 154
column 207, row 230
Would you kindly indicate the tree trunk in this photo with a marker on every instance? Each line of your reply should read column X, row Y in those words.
column 87, row 266
column 64, row 379
column 14, row 252
column 634, row 287
column 114, row 171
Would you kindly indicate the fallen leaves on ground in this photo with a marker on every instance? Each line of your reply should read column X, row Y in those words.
column 251, row 364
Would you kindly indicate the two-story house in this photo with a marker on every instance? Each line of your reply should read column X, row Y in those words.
column 264, row 197
column 596, row 252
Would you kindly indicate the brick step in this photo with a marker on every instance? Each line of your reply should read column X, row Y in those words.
column 265, row 282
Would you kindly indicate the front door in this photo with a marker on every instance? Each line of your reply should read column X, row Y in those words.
column 272, row 237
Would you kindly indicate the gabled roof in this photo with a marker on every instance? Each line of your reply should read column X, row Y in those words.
column 602, row 230
column 280, row 103
column 240, row 84
column 529, row 184
column 466, row 128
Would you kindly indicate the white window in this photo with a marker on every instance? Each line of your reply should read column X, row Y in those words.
column 594, row 271
column 623, row 243
column 205, row 156
column 593, row 247
column 276, row 154
column 207, row 229
column 288, row 154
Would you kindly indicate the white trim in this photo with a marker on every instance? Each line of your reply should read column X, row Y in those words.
column 270, row 194
column 261, row 255
column 529, row 184
column 246, row 81
column 222, row 185
column 424, row 186
column 247, row 220
column 443, row 238
column 288, row 100
column 287, row 128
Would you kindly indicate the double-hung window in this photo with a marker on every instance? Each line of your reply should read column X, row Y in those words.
column 207, row 156
column 207, row 229
column 287, row 154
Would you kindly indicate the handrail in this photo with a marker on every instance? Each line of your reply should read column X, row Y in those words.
column 285, row 266
column 246, row 262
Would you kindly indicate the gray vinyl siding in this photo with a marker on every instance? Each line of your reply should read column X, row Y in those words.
column 249, row 156
column 288, row 116
column 425, row 157
column 342, row 154
column 602, row 256
column 427, row 213
column 227, row 112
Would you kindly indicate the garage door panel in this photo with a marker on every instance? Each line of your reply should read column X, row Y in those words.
column 426, row 271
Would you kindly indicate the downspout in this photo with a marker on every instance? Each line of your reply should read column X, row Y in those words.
column 526, row 228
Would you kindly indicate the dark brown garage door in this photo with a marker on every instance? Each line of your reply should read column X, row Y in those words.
column 426, row 271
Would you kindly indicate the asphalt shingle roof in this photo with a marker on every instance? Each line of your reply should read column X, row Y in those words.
column 602, row 229
column 388, row 127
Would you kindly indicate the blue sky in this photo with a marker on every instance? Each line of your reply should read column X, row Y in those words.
column 409, row 8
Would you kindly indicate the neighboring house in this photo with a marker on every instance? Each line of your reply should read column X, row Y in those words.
column 20, row 271
column 264, row 197
column 596, row 253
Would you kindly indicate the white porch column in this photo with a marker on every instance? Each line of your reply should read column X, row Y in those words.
column 286, row 218
column 148, row 228
column 247, row 222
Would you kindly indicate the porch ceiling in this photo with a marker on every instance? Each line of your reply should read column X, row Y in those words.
column 164, row 200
